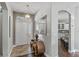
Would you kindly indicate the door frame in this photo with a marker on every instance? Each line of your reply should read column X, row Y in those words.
column 69, row 43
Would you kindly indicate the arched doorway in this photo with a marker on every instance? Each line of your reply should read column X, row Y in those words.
column 64, row 32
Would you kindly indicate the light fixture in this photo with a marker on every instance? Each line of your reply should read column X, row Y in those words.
column 27, row 16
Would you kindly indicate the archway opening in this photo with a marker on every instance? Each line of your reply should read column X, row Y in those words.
column 64, row 32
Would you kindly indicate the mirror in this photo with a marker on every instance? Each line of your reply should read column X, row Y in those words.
column 41, row 26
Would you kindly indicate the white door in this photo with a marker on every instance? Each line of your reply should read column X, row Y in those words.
column 23, row 32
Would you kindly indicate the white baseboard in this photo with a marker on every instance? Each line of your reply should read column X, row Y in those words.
column 49, row 55
column 10, row 51
column 19, row 44
column 46, row 55
column 70, row 51
column 75, row 50
column 57, row 56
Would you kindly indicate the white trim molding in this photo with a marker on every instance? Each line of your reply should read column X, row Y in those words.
column 10, row 51
column 19, row 44
column 70, row 51
column 47, row 55
column 75, row 50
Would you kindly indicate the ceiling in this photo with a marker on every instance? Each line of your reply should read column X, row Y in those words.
column 28, row 7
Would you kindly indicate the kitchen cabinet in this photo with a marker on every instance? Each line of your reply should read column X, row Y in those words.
column 63, row 26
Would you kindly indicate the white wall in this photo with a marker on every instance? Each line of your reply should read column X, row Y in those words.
column 47, row 39
column 55, row 8
column 73, row 9
column 54, row 31
column 52, row 43
column 0, row 33
column 7, row 41
column 76, row 40
column 5, row 33
column 10, row 39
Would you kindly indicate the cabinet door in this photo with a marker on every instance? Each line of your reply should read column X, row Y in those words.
column 66, row 27
column 62, row 26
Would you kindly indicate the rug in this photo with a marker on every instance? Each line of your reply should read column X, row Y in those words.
column 21, row 50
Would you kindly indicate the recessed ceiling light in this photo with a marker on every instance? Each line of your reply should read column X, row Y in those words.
column 27, row 16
